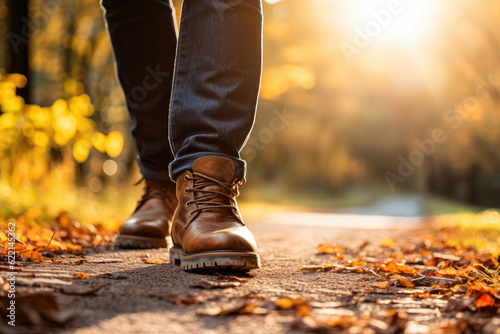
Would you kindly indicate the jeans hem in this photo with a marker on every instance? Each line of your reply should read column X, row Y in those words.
column 179, row 165
column 154, row 175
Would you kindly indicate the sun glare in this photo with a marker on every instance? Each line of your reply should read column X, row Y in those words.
column 389, row 21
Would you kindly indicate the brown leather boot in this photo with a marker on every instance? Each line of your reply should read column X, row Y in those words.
column 207, row 229
column 148, row 226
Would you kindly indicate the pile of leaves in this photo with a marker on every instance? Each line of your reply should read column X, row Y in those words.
column 464, row 280
column 42, row 242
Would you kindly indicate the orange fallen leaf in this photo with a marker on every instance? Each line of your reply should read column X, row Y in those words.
column 381, row 285
column 150, row 261
column 327, row 249
column 23, row 250
column 449, row 272
column 388, row 243
column 424, row 295
column 354, row 263
column 286, row 303
column 406, row 282
column 301, row 306
column 399, row 255
column 342, row 321
column 82, row 275
column 393, row 267
column 246, row 309
column 481, row 287
column 302, row 309
column 485, row 301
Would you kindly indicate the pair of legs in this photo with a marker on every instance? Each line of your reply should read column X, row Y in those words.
column 192, row 97
column 202, row 86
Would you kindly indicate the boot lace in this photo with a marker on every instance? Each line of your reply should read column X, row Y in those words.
column 206, row 199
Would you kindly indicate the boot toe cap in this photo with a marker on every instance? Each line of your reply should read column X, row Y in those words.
column 226, row 239
column 152, row 227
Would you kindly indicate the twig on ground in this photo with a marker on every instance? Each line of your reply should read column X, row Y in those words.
column 49, row 243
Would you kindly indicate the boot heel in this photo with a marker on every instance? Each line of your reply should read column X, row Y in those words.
column 175, row 256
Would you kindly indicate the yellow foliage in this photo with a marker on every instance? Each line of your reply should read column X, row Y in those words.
column 114, row 144
column 7, row 120
column 81, row 150
column 41, row 139
column 29, row 133
column 18, row 79
column 98, row 141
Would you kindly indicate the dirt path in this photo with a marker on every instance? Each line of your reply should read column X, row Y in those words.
column 136, row 297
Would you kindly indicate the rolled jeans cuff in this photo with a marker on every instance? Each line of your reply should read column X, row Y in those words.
column 160, row 175
column 180, row 165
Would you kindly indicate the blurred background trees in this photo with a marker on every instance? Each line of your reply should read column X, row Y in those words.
column 328, row 121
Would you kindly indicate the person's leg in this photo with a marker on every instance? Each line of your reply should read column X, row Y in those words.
column 143, row 35
column 216, row 82
column 216, row 85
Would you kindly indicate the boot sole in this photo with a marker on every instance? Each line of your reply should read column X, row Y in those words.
column 216, row 260
column 137, row 242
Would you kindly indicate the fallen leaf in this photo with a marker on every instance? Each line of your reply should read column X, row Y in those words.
column 381, row 285
column 150, row 261
column 327, row 249
column 354, row 263
column 485, row 301
column 22, row 249
column 449, row 272
column 341, row 321
column 396, row 268
column 388, row 243
column 425, row 294
column 82, row 275
column 300, row 306
column 406, row 282
column 245, row 308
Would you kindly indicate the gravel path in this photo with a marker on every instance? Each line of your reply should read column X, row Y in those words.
column 137, row 297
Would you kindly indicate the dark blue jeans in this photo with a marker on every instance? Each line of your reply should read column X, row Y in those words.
column 190, row 96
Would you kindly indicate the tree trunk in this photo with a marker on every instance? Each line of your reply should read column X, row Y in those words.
column 19, row 36
column 471, row 181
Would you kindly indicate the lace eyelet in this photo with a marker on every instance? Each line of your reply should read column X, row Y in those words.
column 186, row 190
column 186, row 178
column 188, row 204
column 190, row 213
